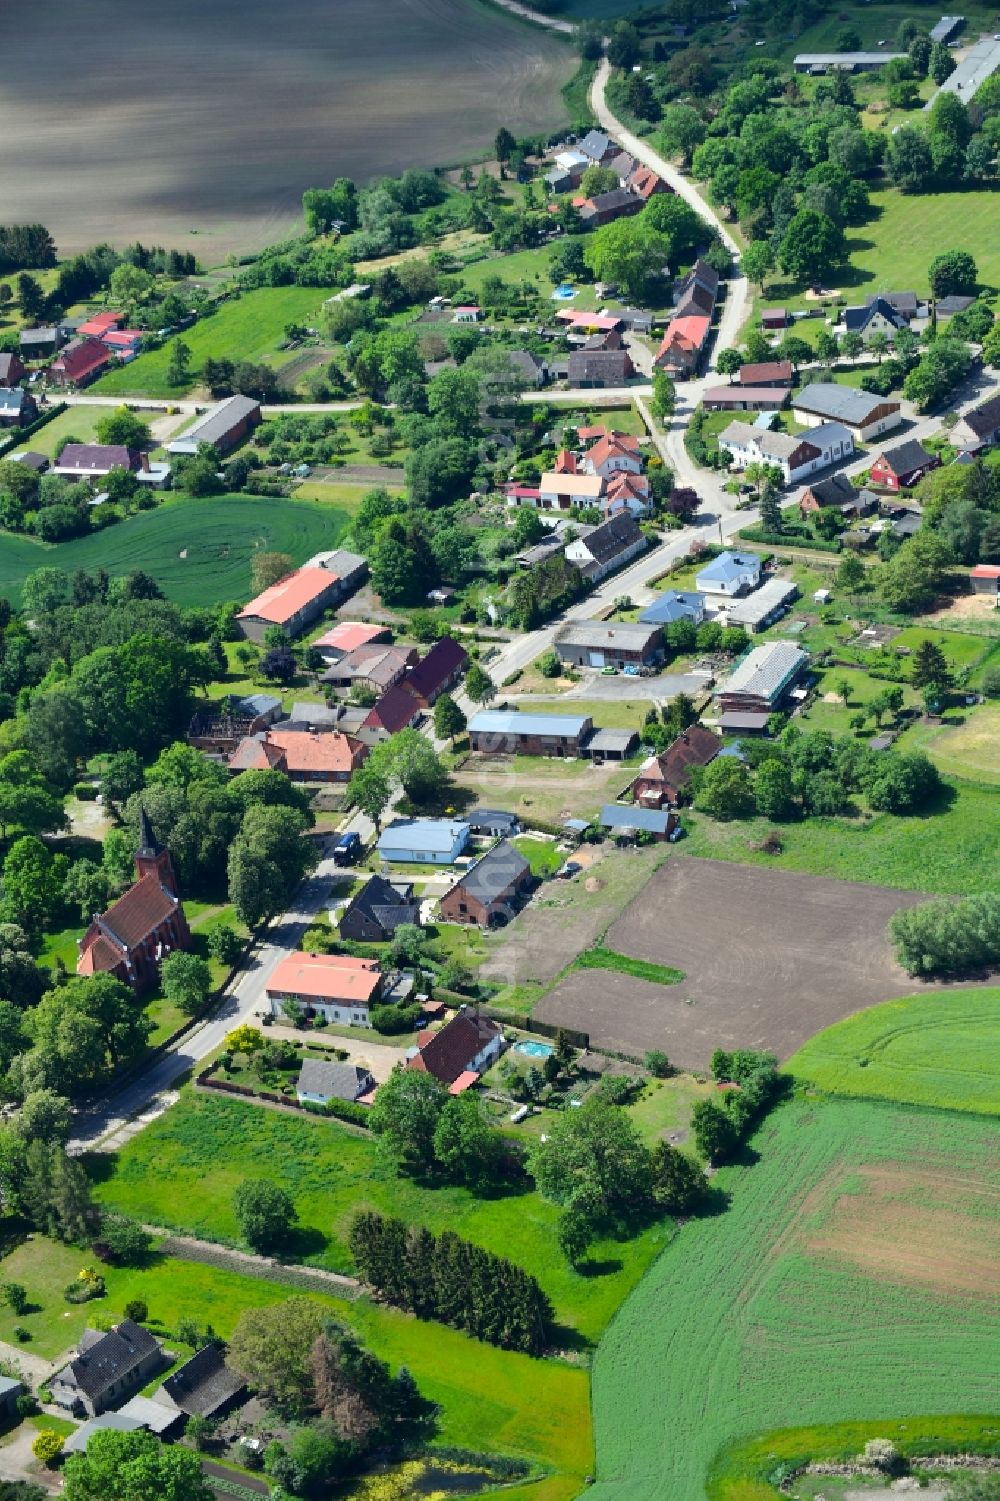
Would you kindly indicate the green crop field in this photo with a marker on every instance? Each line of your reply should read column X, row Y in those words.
column 853, row 1276
column 490, row 1399
column 941, row 1048
column 182, row 1170
column 248, row 328
column 951, row 850
column 198, row 551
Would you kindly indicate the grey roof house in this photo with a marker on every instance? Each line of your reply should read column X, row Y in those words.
column 320, row 1081
column 378, row 909
column 490, row 891
column 107, row 1369
column 203, row 1385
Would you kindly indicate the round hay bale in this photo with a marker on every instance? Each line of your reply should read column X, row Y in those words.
column 592, row 884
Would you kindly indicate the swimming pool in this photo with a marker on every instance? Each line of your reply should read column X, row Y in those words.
column 563, row 293
column 534, row 1049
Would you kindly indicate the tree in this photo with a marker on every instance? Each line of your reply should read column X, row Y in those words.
column 124, row 427
column 130, row 284
column 479, row 685
column 624, row 45
column 272, row 1347
column 264, row 1212
column 628, row 252
column 30, row 297
column 244, row 1039
column 186, row 981
column 758, row 262
column 370, row 791
column 771, row 519
column 449, row 721
column 30, row 885
column 725, row 790
column 126, row 1239
column 679, row 1183
column 953, row 273
column 408, row 760
column 266, row 568
column 123, row 1466
column 930, row 666
column 593, row 1160
column 123, row 775
column 44, row 1116
column 504, row 146
column 664, row 394
column 404, row 1117
column 179, row 364
column 908, row 160
column 729, row 362
column 714, row 1130
column 812, row 246
column 941, row 64
column 225, row 944
column 657, row 1063
column 15, row 1296
column 682, row 130
column 267, row 861
column 465, row 1144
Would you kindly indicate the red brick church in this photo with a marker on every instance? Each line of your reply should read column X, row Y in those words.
column 142, row 926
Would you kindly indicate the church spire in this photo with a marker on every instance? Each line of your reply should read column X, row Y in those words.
column 149, row 845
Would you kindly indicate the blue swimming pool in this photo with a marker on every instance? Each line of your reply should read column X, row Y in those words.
column 563, row 293
column 534, row 1049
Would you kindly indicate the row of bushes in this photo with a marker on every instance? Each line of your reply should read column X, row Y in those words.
column 800, row 537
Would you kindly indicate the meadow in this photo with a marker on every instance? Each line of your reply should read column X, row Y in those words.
column 853, row 1276
column 897, row 245
column 248, row 327
column 198, row 551
column 941, row 1048
column 490, row 1399
column 948, row 850
column 181, row 1172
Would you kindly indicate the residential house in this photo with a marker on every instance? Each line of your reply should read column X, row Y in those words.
column 978, row 428
column 320, row 1082
column 513, row 732
column 626, row 820
column 824, row 494
column 302, row 755
column 378, row 909
column 697, row 293
column 760, row 682
column 598, row 643
column 624, row 164
column 600, row 369
column 99, row 325
column 224, row 426
column 490, row 891
column 985, row 579
column 766, row 373
column 612, row 454
column 745, row 398
column 763, row 607
column 532, row 370
column 561, row 492
column 675, row 605
column 865, row 503
column 467, row 313
column 731, row 573
column 683, row 344
column 905, row 305
column 907, row 524
column 203, row 1385
column 38, row 462
column 142, row 926
column 78, row 363
column 346, row 636
column 125, row 343
column 645, row 183
column 599, row 149
column 12, row 370
column 638, row 320
column 607, row 548
column 17, row 407
column 107, row 1368
column 619, row 203
column 627, row 493
column 436, row 673
column 876, row 317
column 796, row 456
column 374, row 666
column 293, row 603
column 460, row 1052
column 582, row 320
column 424, row 841
column 39, row 343
column 898, row 468
column 493, row 823
column 566, row 172
column 663, row 778
column 395, row 710
column 865, row 416
column 337, row 987
column 95, row 460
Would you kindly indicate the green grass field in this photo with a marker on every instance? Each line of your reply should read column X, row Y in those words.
column 970, row 748
column 952, row 851
column 940, row 1048
column 849, row 1279
column 78, row 423
column 490, row 1399
column 249, row 328
column 894, row 249
column 218, row 536
column 181, row 1172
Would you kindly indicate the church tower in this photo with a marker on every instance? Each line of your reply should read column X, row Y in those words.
column 152, row 858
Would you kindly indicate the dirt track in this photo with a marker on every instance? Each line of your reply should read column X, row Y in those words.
column 770, row 958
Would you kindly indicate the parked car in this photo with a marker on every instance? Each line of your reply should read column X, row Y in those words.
column 347, row 849
column 568, row 871
column 631, row 669
column 609, row 671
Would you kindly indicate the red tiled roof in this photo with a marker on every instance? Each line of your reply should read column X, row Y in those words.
column 770, row 372
column 100, row 957
column 303, row 751
column 80, row 358
column 396, row 710
column 688, row 333
column 140, row 911
column 289, row 595
column 254, row 754
column 986, row 571
column 350, row 634
column 448, row 1053
column 464, row 1082
column 614, row 446
column 101, row 323
column 444, row 659
column 565, row 462
column 327, row 977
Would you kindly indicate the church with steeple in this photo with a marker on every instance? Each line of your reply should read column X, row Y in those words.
column 145, row 924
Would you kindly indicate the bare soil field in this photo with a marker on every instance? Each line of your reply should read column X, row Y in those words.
column 209, row 119
column 770, row 957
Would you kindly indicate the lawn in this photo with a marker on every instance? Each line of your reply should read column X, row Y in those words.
column 947, row 851
column 490, row 1399
column 607, row 713
column 895, row 248
column 182, row 1170
column 940, row 1049
column 541, row 854
column 850, row 1278
column 249, row 327
column 76, row 423
column 198, row 551
column 969, row 747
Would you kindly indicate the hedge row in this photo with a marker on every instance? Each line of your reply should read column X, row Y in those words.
column 17, row 439
column 788, row 539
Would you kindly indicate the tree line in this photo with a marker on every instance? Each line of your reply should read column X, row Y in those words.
column 453, row 1281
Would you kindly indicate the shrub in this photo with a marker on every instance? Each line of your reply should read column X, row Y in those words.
column 22, row 1335
column 882, row 1454
column 89, row 1284
column 85, row 792
column 948, row 936
column 658, row 1063
column 47, row 1447
column 137, row 1310
column 26, row 1405
column 15, row 1296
